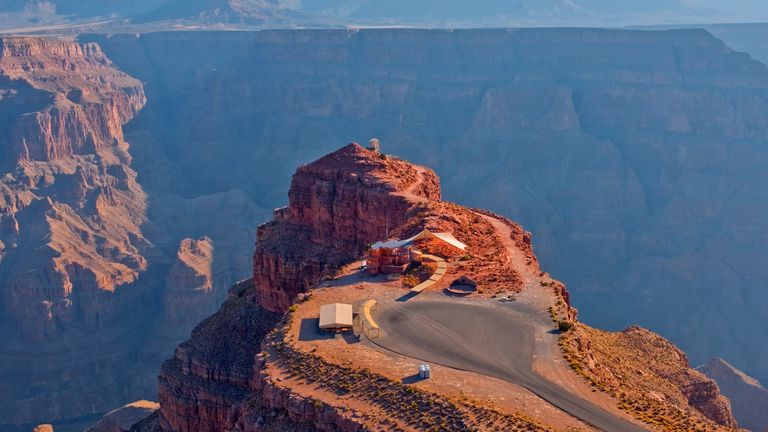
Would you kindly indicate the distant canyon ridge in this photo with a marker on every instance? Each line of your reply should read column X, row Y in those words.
column 136, row 169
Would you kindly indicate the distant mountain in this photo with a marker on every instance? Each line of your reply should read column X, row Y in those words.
column 77, row 9
column 340, row 13
column 511, row 12
column 223, row 11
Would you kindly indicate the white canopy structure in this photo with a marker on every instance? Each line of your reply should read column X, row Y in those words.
column 335, row 316
column 425, row 234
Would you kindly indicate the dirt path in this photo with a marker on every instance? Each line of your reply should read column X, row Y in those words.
column 409, row 192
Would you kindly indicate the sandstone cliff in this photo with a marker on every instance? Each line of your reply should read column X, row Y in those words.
column 338, row 205
column 749, row 398
column 220, row 379
column 69, row 187
column 189, row 284
column 94, row 295
column 72, row 212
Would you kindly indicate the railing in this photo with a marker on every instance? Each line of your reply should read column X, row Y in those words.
column 368, row 325
column 442, row 267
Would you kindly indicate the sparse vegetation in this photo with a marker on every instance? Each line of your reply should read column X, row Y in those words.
column 623, row 366
column 416, row 274
column 408, row 405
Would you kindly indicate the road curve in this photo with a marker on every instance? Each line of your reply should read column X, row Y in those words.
column 490, row 339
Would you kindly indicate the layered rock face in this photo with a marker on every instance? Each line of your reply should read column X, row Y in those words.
column 69, row 188
column 189, row 284
column 94, row 295
column 749, row 399
column 638, row 150
column 209, row 376
column 218, row 380
column 72, row 240
column 338, row 205
column 125, row 417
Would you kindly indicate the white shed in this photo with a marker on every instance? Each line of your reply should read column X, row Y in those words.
column 335, row 316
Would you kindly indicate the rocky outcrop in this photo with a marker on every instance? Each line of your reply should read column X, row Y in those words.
column 202, row 386
column 648, row 374
column 671, row 364
column 337, row 205
column 188, row 292
column 224, row 377
column 749, row 399
column 124, row 418
column 298, row 409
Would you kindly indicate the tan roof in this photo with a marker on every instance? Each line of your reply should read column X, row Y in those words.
column 425, row 234
column 335, row 315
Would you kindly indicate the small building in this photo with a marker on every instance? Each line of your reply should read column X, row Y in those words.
column 336, row 316
column 393, row 256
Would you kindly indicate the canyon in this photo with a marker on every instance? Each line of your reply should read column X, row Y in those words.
column 95, row 293
column 634, row 157
column 246, row 368
column 608, row 162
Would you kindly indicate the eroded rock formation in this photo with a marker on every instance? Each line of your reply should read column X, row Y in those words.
column 749, row 398
column 338, row 205
column 217, row 381
column 72, row 214
column 124, row 418
column 69, row 189
column 83, row 285
column 189, row 284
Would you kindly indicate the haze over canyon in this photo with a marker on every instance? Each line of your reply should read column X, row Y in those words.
column 137, row 167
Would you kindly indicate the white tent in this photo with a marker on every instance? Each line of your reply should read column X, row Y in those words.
column 425, row 234
column 335, row 316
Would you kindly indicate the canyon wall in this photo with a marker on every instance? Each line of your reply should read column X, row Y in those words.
column 99, row 281
column 635, row 157
column 72, row 242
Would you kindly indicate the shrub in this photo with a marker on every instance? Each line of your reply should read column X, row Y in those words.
column 564, row 326
column 293, row 308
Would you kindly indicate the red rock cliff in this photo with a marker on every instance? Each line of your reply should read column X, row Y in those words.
column 71, row 213
column 338, row 204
